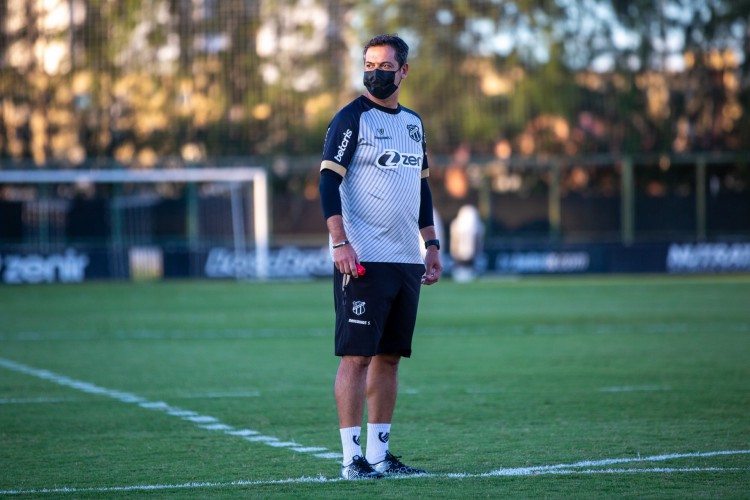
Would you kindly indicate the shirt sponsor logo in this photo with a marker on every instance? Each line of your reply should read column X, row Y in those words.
column 390, row 158
column 344, row 143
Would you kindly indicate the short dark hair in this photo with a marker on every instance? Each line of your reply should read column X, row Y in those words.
column 402, row 50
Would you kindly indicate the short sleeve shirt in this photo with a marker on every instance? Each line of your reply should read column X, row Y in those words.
column 381, row 154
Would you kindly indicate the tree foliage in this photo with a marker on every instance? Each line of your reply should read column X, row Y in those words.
column 146, row 81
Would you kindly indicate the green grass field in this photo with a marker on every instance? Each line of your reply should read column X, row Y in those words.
column 628, row 387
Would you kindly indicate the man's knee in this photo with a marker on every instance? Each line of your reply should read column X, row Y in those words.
column 356, row 362
column 388, row 359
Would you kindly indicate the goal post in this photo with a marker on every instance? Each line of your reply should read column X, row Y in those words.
column 233, row 178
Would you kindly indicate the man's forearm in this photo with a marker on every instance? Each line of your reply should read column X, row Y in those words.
column 335, row 225
column 428, row 233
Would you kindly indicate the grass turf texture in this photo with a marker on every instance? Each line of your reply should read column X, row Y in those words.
column 505, row 374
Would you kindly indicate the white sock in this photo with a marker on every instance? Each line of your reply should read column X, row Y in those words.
column 350, row 443
column 377, row 441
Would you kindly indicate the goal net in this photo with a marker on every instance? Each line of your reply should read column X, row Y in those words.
column 141, row 214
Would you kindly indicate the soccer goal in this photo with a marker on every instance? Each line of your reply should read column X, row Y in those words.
column 142, row 210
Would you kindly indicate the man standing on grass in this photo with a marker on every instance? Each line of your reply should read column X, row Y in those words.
column 376, row 202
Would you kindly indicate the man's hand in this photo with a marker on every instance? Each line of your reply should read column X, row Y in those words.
column 346, row 260
column 344, row 257
column 433, row 267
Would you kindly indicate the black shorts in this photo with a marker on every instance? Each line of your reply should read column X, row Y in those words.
column 376, row 313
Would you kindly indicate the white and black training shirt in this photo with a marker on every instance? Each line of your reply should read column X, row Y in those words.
column 381, row 155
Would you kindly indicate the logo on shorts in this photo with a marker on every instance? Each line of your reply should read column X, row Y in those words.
column 358, row 307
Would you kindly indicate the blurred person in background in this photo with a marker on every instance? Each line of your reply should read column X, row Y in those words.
column 466, row 241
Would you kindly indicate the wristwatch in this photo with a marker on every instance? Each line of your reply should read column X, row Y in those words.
column 428, row 243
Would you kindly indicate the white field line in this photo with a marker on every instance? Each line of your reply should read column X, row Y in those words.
column 206, row 422
column 547, row 469
column 523, row 471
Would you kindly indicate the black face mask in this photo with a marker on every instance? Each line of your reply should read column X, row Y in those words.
column 379, row 83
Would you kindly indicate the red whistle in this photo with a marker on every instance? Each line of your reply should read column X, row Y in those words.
column 360, row 270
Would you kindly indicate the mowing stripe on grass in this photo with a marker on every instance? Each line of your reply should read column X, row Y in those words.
column 524, row 471
column 635, row 388
column 23, row 401
column 147, row 335
column 202, row 421
column 218, row 395
column 664, row 327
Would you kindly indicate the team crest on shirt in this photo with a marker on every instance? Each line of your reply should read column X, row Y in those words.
column 414, row 133
column 358, row 307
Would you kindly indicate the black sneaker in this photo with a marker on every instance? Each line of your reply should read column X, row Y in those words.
column 392, row 465
column 359, row 469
